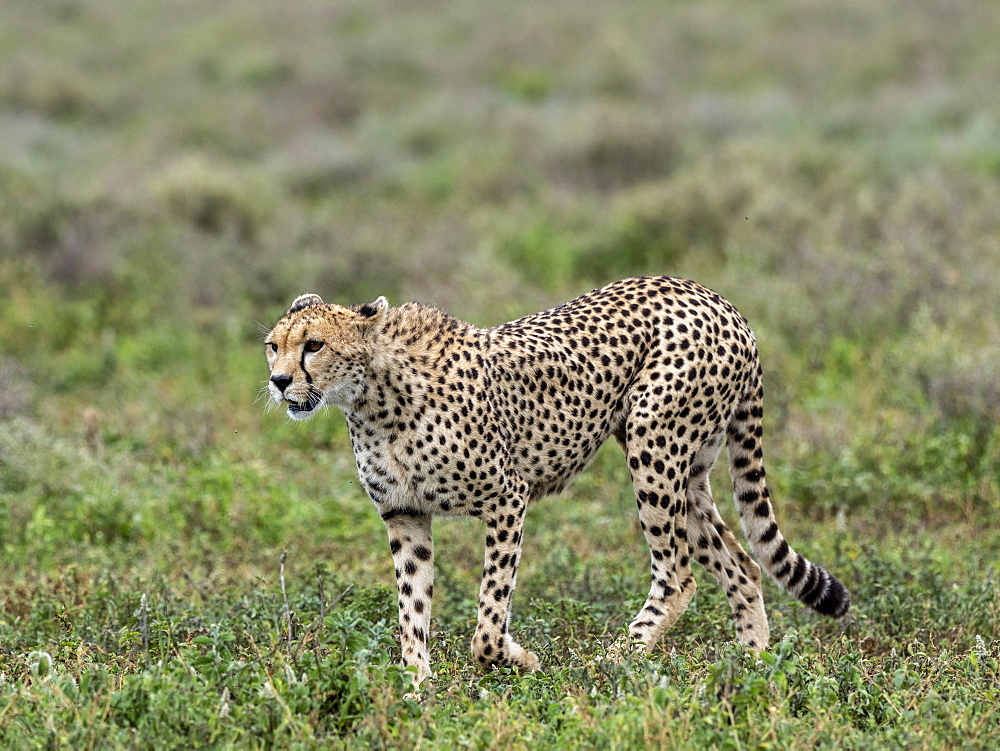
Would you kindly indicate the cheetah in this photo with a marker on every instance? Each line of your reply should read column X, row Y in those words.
column 449, row 419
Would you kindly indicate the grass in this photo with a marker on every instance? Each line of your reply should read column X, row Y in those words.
column 183, row 569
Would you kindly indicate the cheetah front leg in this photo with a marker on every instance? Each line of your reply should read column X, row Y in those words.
column 412, row 551
column 491, row 644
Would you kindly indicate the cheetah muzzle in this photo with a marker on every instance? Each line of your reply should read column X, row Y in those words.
column 447, row 418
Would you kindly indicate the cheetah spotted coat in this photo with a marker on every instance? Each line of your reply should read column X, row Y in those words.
column 449, row 419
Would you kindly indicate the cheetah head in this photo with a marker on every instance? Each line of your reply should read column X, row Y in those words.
column 318, row 352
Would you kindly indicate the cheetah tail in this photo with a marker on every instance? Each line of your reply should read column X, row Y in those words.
column 810, row 583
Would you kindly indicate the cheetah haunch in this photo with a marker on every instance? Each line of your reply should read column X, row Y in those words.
column 446, row 418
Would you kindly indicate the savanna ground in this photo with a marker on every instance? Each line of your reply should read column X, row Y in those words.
column 172, row 175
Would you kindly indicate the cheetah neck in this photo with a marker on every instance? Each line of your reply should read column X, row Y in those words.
column 412, row 366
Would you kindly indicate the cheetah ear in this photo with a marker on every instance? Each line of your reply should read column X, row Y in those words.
column 304, row 301
column 371, row 315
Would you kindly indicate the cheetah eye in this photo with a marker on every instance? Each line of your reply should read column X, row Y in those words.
column 313, row 346
column 272, row 346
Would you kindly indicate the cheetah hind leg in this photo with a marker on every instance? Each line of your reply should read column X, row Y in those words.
column 715, row 547
column 657, row 479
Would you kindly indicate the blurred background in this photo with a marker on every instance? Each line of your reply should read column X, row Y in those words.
column 172, row 175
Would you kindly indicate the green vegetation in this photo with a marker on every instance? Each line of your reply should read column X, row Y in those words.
column 172, row 175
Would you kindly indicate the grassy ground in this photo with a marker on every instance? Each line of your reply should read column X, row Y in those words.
column 180, row 569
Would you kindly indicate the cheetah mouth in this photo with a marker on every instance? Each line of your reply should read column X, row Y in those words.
column 303, row 410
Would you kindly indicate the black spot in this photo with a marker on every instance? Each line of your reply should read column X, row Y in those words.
column 393, row 513
column 835, row 601
column 781, row 553
column 800, row 569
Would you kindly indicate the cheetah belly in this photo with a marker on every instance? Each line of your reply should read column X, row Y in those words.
column 552, row 469
column 553, row 439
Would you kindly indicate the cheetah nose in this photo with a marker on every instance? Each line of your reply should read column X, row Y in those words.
column 281, row 381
